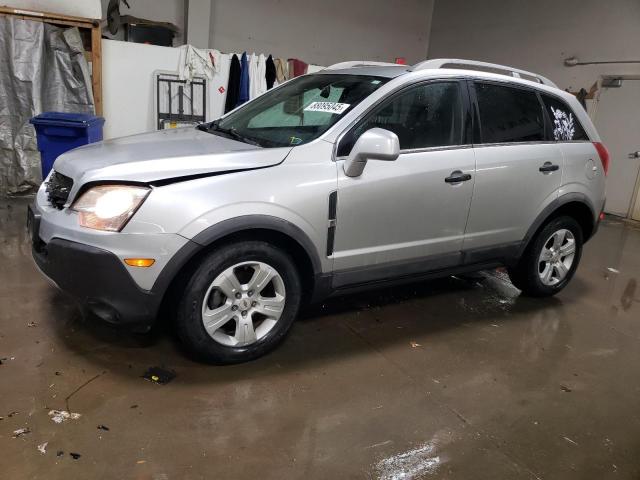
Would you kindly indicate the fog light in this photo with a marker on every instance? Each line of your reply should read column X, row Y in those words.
column 139, row 262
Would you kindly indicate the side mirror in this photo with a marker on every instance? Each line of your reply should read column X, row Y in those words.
column 374, row 144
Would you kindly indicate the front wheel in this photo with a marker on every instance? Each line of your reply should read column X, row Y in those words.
column 239, row 303
column 551, row 259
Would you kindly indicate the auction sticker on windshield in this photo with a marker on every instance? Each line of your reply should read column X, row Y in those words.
column 328, row 107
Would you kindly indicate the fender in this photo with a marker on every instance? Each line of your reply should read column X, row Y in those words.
column 266, row 222
column 552, row 207
column 227, row 227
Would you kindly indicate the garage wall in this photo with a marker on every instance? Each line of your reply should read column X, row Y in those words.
column 323, row 32
column 539, row 35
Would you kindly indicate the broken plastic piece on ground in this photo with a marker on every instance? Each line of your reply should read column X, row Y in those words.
column 613, row 270
column 59, row 416
column 74, row 455
column 159, row 375
column 414, row 344
column 564, row 388
column 103, row 427
column 42, row 448
column 32, row 324
column 20, row 432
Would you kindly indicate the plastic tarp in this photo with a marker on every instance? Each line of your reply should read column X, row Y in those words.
column 42, row 68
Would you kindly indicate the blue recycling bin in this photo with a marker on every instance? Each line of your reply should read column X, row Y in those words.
column 59, row 132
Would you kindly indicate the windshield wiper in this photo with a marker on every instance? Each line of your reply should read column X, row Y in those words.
column 232, row 132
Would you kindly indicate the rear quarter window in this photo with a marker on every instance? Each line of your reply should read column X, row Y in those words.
column 565, row 126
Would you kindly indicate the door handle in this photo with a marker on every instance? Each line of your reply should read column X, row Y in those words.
column 634, row 155
column 457, row 177
column 548, row 167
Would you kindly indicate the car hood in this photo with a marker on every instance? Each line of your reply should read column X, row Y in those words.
column 162, row 155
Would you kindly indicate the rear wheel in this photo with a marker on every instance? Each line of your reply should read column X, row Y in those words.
column 239, row 303
column 551, row 259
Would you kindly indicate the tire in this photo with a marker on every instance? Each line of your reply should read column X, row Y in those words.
column 539, row 276
column 245, row 328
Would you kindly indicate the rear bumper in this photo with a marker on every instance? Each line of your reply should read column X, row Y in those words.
column 98, row 280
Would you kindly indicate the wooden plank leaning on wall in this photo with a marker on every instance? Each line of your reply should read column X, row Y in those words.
column 92, row 26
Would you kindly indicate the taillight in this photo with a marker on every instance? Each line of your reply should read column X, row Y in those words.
column 604, row 156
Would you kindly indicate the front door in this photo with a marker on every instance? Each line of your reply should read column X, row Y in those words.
column 407, row 216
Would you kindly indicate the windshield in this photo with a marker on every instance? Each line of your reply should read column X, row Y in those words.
column 297, row 112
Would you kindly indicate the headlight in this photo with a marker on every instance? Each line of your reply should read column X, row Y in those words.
column 109, row 207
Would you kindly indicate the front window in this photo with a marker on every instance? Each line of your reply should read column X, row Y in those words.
column 297, row 112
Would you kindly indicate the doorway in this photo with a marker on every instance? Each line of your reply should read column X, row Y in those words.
column 617, row 119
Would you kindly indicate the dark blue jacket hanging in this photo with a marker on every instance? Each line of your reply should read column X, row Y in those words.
column 244, row 80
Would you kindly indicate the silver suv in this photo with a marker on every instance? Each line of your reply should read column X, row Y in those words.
column 362, row 175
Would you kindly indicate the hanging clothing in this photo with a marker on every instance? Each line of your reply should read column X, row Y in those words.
column 194, row 62
column 233, row 85
column 270, row 72
column 282, row 70
column 219, row 83
column 243, row 95
column 297, row 67
column 257, row 71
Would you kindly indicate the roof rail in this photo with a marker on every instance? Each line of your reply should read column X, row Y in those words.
column 360, row 63
column 482, row 66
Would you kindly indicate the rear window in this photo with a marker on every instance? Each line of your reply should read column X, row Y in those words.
column 509, row 114
column 565, row 126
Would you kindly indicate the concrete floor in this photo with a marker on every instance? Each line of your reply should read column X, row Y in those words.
column 455, row 378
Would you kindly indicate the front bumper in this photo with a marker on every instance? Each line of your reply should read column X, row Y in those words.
column 95, row 277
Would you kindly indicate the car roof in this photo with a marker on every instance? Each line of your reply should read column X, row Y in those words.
column 387, row 71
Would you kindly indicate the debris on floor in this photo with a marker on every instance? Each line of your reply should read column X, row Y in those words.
column 570, row 441
column 414, row 344
column 74, row 455
column 59, row 416
column 59, row 453
column 20, row 432
column 564, row 388
column 613, row 270
column 159, row 375
column 42, row 448
column 103, row 427
column 32, row 324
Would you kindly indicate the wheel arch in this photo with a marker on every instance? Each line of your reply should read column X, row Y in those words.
column 273, row 230
column 575, row 205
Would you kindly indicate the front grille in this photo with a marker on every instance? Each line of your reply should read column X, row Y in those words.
column 58, row 188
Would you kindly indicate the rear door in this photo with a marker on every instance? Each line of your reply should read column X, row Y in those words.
column 404, row 217
column 518, row 167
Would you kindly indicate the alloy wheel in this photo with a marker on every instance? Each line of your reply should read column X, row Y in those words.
column 556, row 257
column 243, row 303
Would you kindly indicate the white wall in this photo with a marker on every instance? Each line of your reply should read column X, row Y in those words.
column 159, row 10
column 127, row 85
column 323, row 32
column 539, row 35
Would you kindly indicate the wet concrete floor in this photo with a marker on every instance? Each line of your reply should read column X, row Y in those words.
column 454, row 378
